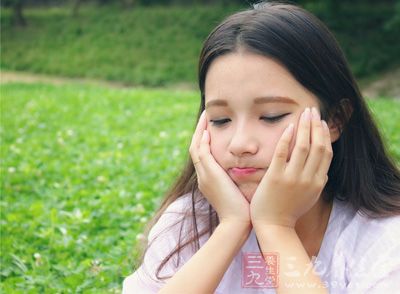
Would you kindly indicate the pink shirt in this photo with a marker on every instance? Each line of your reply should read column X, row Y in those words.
column 357, row 254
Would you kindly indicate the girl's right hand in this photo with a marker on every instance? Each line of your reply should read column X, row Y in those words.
column 214, row 183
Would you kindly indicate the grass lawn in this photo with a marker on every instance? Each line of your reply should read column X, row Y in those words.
column 82, row 170
column 159, row 45
column 147, row 45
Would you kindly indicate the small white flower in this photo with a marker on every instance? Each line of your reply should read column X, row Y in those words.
column 140, row 237
column 14, row 149
column 78, row 213
column 38, row 259
column 96, row 266
column 63, row 230
column 183, row 134
column 139, row 208
column 81, row 239
column 163, row 134
column 70, row 132
column 11, row 169
column 139, row 195
column 101, row 179
column 176, row 152
column 60, row 141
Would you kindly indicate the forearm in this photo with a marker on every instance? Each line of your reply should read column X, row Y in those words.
column 204, row 271
column 295, row 274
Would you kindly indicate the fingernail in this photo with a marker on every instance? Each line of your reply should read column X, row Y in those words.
column 203, row 137
column 306, row 114
column 290, row 128
column 315, row 113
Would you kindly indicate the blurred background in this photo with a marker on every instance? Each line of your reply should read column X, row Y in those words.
column 157, row 42
column 98, row 103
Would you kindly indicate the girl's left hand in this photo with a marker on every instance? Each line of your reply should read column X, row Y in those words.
column 289, row 189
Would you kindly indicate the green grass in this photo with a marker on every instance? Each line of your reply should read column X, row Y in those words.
column 82, row 170
column 160, row 45
column 148, row 45
column 387, row 113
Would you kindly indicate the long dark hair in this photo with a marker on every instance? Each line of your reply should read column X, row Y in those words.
column 362, row 172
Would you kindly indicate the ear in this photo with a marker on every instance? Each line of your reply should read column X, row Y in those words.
column 334, row 131
column 338, row 118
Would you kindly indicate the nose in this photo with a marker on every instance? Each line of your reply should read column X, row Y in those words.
column 244, row 141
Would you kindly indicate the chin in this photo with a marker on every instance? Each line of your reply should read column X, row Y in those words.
column 248, row 191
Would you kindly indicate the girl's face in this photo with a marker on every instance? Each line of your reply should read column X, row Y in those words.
column 250, row 100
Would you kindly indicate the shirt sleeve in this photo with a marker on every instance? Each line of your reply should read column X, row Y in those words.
column 377, row 269
column 388, row 284
column 174, row 224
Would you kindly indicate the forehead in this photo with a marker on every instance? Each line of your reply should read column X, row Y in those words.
column 243, row 77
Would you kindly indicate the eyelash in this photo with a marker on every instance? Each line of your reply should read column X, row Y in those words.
column 272, row 119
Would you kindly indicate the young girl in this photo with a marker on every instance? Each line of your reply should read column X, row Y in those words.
column 289, row 188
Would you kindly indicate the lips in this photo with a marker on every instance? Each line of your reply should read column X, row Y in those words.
column 242, row 172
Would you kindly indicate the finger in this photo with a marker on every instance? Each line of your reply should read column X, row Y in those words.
column 318, row 145
column 327, row 158
column 207, row 164
column 201, row 125
column 302, row 146
column 281, row 152
column 200, row 164
column 205, row 156
column 196, row 138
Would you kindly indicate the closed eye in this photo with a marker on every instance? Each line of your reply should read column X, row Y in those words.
column 273, row 118
column 219, row 122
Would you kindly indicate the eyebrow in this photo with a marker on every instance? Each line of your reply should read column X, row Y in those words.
column 259, row 100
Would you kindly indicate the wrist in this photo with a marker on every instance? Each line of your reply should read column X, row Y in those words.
column 274, row 222
column 242, row 226
column 235, row 231
column 273, row 227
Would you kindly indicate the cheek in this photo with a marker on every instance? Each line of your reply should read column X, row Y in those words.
column 273, row 139
column 218, row 146
column 271, row 143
